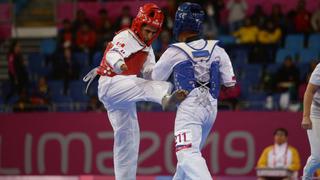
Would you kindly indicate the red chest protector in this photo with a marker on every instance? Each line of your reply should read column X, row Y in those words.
column 134, row 62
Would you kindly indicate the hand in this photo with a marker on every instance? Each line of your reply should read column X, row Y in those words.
column 306, row 123
column 123, row 67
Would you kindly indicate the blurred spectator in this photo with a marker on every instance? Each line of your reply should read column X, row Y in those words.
column 209, row 26
column 302, row 88
column 312, row 66
column 270, row 33
column 218, row 6
column 23, row 104
column 277, row 16
column 103, row 23
column 258, row 17
column 290, row 26
column 95, row 105
column 162, row 43
column 124, row 20
column 40, row 99
column 315, row 20
column 172, row 8
column 303, row 84
column 18, row 74
column 168, row 20
column 247, row 33
column 149, row 107
column 103, row 28
column 229, row 97
column 69, row 70
column 64, row 68
column 81, row 19
column 65, row 36
column 86, row 39
column 268, row 38
column 287, row 82
column 302, row 18
column 268, row 83
column 262, row 53
column 237, row 13
column 280, row 155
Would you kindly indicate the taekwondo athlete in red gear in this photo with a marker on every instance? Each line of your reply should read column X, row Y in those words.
column 126, row 56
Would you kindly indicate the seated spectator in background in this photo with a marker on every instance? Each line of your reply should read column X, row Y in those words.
column 287, row 75
column 287, row 82
column 69, row 69
column 17, row 70
column 124, row 20
column 277, row 16
column 302, row 18
column 23, row 104
column 303, row 84
column 104, row 29
column 237, row 13
column 64, row 68
column 290, row 26
column 315, row 20
column 247, row 34
column 210, row 29
column 162, row 43
column 259, row 17
column 302, row 88
column 103, row 23
column 86, row 39
column 229, row 97
column 171, row 8
column 95, row 105
column 218, row 6
column 81, row 19
column 268, row 38
column 168, row 20
column 40, row 99
column 270, row 34
column 65, row 36
column 280, row 155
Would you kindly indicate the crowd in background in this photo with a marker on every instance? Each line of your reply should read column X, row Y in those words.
column 260, row 34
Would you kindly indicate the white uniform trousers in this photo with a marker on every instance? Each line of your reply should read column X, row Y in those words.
column 313, row 162
column 119, row 95
column 196, row 114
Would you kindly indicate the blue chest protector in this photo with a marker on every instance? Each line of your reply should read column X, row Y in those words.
column 184, row 72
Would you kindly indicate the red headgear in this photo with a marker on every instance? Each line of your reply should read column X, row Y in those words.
column 151, row 15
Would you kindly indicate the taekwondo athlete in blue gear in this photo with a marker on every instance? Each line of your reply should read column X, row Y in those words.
column 199, row 66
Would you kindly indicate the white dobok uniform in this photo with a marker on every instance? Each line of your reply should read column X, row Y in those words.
column 197, row 113
column 120, row 92
column 313, row 162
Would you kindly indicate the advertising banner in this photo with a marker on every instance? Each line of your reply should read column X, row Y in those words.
column 81, row 143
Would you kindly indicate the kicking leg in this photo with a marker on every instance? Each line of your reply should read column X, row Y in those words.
column 121, row 90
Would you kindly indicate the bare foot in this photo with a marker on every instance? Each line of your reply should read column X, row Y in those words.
column 176, row 97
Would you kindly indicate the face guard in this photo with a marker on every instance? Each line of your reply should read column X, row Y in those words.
column 149, row 14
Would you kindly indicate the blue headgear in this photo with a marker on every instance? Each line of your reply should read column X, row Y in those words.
column 189, row 17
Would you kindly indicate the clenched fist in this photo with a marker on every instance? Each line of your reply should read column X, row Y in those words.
column 123, row 67
column 306, row 123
